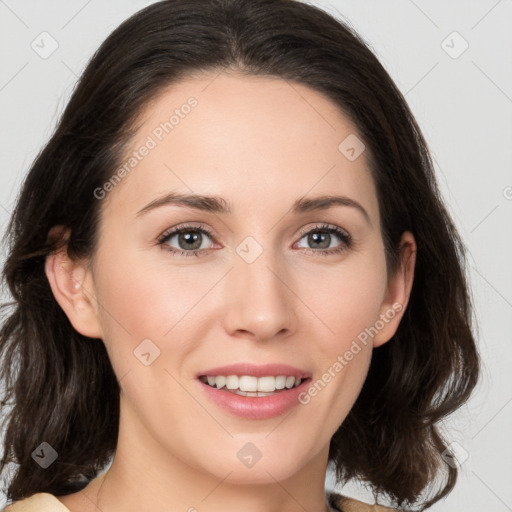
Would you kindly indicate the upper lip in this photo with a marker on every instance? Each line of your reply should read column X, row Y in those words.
column 256, row 370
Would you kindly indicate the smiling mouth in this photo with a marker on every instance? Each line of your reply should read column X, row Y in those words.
column 248, row 385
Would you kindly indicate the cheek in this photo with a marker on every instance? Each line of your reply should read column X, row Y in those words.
column 140, row 297
column 344, row 300
column 349, row 305
column 141, row 301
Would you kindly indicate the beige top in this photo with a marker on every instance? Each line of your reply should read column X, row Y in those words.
column 45, row 502
column 40, row 502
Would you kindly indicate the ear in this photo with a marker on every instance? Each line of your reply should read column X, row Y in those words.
column 72, row 286
column 397, row 292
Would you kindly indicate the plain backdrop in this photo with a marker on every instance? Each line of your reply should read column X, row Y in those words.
column 452, row 61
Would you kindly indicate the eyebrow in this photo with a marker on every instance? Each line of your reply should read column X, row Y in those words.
column 216, row 204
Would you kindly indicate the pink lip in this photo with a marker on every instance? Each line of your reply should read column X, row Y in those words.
column 256, row 370
column 255, row 407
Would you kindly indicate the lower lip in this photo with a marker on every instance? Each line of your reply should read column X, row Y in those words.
column 256, row 407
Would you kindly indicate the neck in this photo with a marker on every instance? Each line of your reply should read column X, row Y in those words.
column 145, row 476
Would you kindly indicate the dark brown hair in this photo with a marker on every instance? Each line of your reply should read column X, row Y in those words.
column 60, row 387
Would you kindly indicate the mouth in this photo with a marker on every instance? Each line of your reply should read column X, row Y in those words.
column 251, row 385
column 254, row 392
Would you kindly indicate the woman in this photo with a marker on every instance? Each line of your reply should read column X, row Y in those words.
column 231, row 266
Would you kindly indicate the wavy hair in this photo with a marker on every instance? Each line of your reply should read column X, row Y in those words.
column 60, row 387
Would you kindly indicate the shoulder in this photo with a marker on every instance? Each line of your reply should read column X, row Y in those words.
column 40, row 502
column 345, row 504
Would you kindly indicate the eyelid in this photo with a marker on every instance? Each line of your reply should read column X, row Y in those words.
column 324, row 227
column 184, row 227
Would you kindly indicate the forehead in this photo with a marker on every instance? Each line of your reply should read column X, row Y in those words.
column 260, row 139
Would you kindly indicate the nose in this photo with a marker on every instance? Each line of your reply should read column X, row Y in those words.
column 259, row 299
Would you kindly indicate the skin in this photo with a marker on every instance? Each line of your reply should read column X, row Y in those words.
column 260, row 143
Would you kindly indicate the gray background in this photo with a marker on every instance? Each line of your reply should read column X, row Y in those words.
column 463, row 103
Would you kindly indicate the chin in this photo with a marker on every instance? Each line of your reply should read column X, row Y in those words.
column 259, row 474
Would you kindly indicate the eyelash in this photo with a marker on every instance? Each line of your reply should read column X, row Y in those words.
column 346, row 239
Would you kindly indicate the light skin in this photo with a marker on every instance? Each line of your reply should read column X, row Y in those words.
column 261, row 144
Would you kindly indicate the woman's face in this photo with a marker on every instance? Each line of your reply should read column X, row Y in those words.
column 280, row 278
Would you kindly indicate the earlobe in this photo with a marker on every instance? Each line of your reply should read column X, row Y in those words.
column 398, row 291
column 72, row 287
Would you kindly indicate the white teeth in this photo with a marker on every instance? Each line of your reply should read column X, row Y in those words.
column 267, row 384
column 248, row 383
column 249, row 393
column 252, row 385
column 232, row 382
column 280, row 382
column 220, row 381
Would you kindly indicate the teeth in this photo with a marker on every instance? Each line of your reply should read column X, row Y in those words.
column 249, row 393
column 247, row 383
column 252, row 385
column 290, row 381
column 280, row 382
column 220, row 381
column 267, row 384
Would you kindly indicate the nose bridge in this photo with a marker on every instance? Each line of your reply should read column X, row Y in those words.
column 260, row 301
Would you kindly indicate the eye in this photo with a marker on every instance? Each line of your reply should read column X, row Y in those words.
column 190, row 240
column 321, row 237
column 193, row 240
